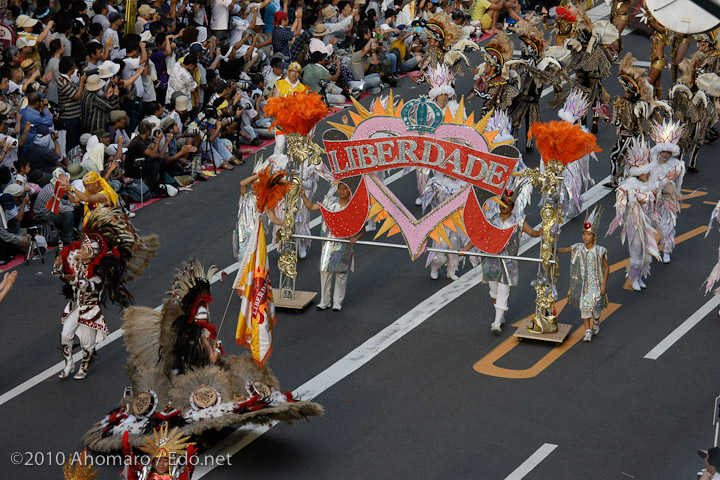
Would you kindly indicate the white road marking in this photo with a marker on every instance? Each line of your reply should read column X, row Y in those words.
column 683, row 328
column 384, row 339
column 117, row 334
column 528, row 465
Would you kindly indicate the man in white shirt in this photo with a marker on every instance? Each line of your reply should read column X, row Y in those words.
column 182, row 77
column 220, row 18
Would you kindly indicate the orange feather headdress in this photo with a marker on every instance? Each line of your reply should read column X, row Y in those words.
column 270, row 189
column 297, row 113
column 562, row 141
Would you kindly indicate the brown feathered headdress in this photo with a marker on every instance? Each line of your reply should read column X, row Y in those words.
column 532, row 37
column 441, row 27
column 498, row 50
column 632, row 78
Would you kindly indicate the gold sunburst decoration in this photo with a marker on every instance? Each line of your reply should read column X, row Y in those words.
column 392, row 110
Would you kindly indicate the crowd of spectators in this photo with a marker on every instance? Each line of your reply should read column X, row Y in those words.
column 115, row 106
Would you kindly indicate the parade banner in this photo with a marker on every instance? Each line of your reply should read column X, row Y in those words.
column 418, row 135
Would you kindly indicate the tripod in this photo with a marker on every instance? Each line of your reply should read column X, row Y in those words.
column 207, row 149
column 140, row 163
column 33, row 248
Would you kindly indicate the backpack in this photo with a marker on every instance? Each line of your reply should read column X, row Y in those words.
column 138, row 191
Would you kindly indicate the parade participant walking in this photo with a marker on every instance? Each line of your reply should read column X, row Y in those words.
column 94, row 269
column 667, row 173
column 337, row 258
column 502, row 273
column 589, row 272
column 634, row 205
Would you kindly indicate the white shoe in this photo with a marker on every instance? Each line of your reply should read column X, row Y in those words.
column 596, row 327
column 496, row 328
column 588, row 336
column 452, row 276
column 433, row 273
column 302, row 253
column 666, row 257
column 642, row 284
column 418, row 201
column 635, row 285
column 370, row 227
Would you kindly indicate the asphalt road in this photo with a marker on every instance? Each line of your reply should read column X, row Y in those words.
column 431, row 393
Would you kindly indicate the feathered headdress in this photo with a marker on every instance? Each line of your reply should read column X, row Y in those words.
column 562, row 141
column 441, row 81
column 441, row 27
column 270, row 189
column 555, row 55
column 191, row 287
column 531, row 37
column 575, row 107
column 500, row 122
column 296, row 113
column 706, row 37
column 566, row 14
column 171, row 445
column 638, row 158
column 119, row 254
column 498, row 50
column 686, row 72
column 584, row 24
column 592, row 220
column 632, row 78
column 666, row 136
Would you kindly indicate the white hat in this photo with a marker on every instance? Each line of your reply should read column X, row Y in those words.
column 23, row 21
column 23, row 42
column 108, row 69
column 182, row 103
column 202, row 34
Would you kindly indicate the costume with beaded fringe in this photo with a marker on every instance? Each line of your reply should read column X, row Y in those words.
column 175, row 382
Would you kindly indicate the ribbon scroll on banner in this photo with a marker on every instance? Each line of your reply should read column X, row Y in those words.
column 416, row 134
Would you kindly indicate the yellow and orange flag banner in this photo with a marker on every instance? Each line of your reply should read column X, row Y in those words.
column 257, row 312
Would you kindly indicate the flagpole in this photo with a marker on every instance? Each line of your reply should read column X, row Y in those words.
column 438, row 250
column 217, row 335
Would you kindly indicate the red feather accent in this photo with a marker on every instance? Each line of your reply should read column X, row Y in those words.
column 297, row 113
column 270, row 189
column 64, row 255
column 587, row 225
column 562, row 141
column 566, row 14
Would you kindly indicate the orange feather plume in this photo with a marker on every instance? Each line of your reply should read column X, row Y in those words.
column 270, row 189
column 562, row 141
column 297, row 113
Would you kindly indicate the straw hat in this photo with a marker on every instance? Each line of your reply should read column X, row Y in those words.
column 320, row 31
column 94, row 83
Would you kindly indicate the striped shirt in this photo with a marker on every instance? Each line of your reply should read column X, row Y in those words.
column 71, row 108
column 96, row 109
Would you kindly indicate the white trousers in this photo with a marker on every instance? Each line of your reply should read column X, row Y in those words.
column 326, row 285
column 500, row 292
column 88, row 336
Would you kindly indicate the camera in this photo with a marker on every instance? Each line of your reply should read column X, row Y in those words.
column 156, row 133
column 92, row 71
column 243, row 84
column 33, row 230
column 323, row 84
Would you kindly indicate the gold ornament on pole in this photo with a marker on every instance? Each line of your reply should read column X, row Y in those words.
column 559, row 143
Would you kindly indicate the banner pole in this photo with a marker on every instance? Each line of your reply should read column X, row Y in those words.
column 404, row 247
